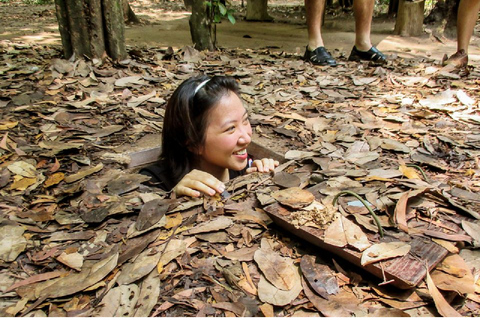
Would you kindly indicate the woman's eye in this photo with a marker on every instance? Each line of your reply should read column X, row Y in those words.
column 230, row 129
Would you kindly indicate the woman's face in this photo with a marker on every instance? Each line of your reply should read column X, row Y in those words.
column 227, row 136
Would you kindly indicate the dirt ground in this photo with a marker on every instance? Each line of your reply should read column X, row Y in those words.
column 165, row 23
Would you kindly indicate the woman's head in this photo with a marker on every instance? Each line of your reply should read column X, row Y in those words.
column 198, row 116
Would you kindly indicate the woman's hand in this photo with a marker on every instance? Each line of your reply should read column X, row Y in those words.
column 196, row 182
column 264, row 165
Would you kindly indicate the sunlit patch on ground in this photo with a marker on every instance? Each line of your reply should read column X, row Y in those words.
column 165, row 24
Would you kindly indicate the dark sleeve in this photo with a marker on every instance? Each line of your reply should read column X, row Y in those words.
column 158, row 177
column 233, row 174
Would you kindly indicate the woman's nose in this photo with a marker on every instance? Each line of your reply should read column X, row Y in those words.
column 246, row 135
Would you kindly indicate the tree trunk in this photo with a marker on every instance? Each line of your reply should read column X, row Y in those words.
column 97, row 33
column 128, row 15
column 443, row 17
column 257, row 11
column 91, row 27
column 201, row 28
column 393, row 7
column 63, row 26
column 188, row 4
column 410, row 18
column 115, row 28
column 78, row 28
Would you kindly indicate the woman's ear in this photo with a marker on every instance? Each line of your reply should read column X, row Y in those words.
column 196, row 150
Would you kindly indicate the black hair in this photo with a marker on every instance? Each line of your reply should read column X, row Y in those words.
column 185, row 121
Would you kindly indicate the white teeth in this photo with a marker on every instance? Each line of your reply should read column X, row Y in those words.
column 241, row 152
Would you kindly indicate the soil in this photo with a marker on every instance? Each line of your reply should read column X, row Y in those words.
column 165, row 24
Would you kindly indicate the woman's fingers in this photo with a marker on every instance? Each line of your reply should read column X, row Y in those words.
column 252, row 169
column 264, row 165
column 185, row 191
column 196, row 182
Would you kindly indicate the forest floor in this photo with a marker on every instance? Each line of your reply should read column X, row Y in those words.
column 165, row 24
column 81, row 234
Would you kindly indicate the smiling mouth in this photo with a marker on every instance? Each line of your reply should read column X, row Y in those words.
column 241, row 152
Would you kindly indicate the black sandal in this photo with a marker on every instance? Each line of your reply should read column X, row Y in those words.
column 373, row 55
column 319, row 57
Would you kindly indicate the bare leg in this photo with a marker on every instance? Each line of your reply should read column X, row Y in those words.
column 466, row 19
column 314, row 11
column 363, row 10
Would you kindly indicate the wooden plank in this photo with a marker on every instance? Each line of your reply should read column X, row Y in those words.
column 257, row 151
column 144, row 157
column 406, row 272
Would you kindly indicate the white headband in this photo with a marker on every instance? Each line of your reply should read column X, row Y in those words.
column 200, row 86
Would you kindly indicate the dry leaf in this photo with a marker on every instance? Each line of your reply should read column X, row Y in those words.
column 342, row 232
column 454, row 265
column 450, row 246
column 54, row 179
column 442, row 305
column 128, row 81
column 173, row 220
column 286, row 180
column 243, row 254
column 384, row 251
column 320, row 277
column 409, row 172
column 279, row 270
column 473, row 230
column 148, row 296
column 119, row 302
column 236, row 308
column 298, row 155
column 35, row 278
column 216, row 224
column 267, row 310
column 326, row 307
column 73, row 260
column 401, row 212
column 19, row 306
column 151, row 213
column 5, row 125
column 12, row 242
column 294, row 197
column 453, row 274
column 171, row 250
column 270, row 294
column 247, row 283
column 92, row 272
column 23, row 168
column 83, row 173
column 143, row 265
column 3, row 143
column 22, row 183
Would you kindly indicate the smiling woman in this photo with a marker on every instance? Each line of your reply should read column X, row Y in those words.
column 205, row 136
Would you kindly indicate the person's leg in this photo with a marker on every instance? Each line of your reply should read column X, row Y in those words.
column 363, row 49
column 315, row 51
column 363, row 10
column 466, row 19
column 314, row 14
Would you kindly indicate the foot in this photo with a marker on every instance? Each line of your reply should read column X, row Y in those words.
column 459, row 59
column 373, row 55
column 319, row 57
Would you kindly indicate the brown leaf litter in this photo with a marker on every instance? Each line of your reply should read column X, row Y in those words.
column 82, row 235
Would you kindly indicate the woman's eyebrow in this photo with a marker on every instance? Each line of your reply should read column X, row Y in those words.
column 228, row 122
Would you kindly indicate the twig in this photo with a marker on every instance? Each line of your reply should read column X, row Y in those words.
column 385, row 281
column 375, row 217
column 418, row 168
